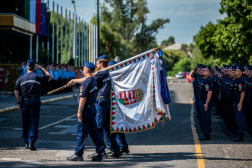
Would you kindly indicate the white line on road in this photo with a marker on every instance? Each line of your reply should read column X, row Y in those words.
column 46, row 126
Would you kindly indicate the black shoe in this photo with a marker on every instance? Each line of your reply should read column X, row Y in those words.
column 204, row 137
column 75, row 158
column 27, row 145
column 116, row 154
column 237, row 139
column 124, row 151
column 100, row 157
column 31, row 146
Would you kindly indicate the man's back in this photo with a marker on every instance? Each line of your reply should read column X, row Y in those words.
column 29, row 84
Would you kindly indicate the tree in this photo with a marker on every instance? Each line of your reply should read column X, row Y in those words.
column 182, row 65
column 171, row 40
column 115, row 18
column 233, row 37
column 171, row 57
column 204, row 41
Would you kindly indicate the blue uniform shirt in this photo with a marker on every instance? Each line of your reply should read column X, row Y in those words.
column 239, row 86
column 88, row 88
column 205, row 86
column 29, row 84
column 67, row 75
column 25, row 70
column 63, row 76
column 55, row 75
column 60, row 73
column 103, row 80
column 20, row 71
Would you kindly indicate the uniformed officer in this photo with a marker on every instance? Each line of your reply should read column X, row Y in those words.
column 86, row 115
column 249, row 99
column 239, row 103
column 28, row 86
column 206, row 102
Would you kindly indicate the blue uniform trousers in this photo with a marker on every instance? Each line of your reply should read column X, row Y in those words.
column 30, row 117
column 88, row 125
column 206, row 116
column 198, row 110
column 120, row 137
column 103, row 122
column 240, row 118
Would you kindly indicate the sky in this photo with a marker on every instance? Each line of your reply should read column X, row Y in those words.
column 186, row 16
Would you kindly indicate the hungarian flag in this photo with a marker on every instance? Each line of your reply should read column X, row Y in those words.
column 33, row 13
column 137, row 102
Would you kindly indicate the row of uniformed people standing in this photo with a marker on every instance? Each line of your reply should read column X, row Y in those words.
column 93, row 115
column 233, row 99
column 61, row 75
column 203, row 87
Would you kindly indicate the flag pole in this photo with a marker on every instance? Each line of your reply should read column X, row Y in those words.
column 69, row 37
column 79, row 43
column 37, row 39
column 61, row 36
column 53, row 35
column 65, row 36
column 127, row 60
column 57, row 45
column 30, row 47
column 84, row 43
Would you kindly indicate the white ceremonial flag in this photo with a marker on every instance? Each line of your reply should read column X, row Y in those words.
column 137, row 103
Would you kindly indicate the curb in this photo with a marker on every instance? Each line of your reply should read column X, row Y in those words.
column 3, row 110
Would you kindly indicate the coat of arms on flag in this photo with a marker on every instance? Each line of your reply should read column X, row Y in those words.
column 138, row 90
column 131, row 97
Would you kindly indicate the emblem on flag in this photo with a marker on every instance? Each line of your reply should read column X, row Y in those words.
column 130, row 97
column 207, row 87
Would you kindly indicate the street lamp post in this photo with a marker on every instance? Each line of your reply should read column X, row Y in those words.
column 74, row 32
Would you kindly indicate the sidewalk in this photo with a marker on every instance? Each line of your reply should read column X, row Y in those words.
column 8, row 100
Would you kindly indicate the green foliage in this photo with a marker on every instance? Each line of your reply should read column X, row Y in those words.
column 182, row 65
column 171, row 40
column 171, row 57
column 115, row 17
column 231, row 38
column 199, row 59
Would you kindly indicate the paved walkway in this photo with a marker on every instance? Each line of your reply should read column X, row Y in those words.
column 8, row 100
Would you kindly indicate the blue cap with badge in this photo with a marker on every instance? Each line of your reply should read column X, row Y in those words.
column 249, row 67
column 30, row 63
column 103, row 56
column 112, row 63
column 90, row 65
column 234, row 68
column 208, row 67
column 240, row 67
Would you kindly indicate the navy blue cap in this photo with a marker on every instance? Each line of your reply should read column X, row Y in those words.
column 234, row 68
column 30, row 63
column 103, row 56
column 219, row 70
column 202, row 66
column 246, row 66
column 112, row 63
column 240, row 67
column 216, row 67
column 208, row 67
column 249, row 67
column 90, row 65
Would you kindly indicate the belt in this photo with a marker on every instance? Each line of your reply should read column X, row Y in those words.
column 89, row 105
column 101, row 97
column 30, row 98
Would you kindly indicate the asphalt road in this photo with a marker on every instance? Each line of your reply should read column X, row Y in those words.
column 173, row 145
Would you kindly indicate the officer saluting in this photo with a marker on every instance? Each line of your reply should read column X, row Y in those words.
column 28, row 86
column 86, row 115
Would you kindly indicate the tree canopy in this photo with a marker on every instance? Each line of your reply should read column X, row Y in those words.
column 230, row 38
